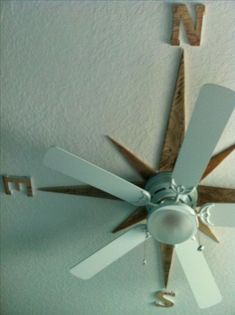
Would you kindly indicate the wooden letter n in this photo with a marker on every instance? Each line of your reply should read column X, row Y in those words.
column 180, row 13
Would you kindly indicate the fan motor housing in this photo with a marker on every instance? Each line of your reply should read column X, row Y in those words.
column 171, row 215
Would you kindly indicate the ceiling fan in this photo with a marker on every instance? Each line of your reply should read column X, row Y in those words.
column 169, row 198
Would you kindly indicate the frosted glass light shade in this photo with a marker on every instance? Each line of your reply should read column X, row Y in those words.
column 172, row 224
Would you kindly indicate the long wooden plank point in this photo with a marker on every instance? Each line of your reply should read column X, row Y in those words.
column 176, row 123
column 217, row 159
column 135, row 217
column 167, row 256
column 140, row 166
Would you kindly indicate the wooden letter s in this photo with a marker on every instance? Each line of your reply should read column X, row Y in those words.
column 163, row 301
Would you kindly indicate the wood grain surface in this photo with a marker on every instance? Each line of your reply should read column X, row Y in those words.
column 167, row 256
column 78, row 191
column 176, row 123
column 140, row 166
column 205, row 229
column 181, row 13
column 135, row 217
column 217, row 159
column 210, row 194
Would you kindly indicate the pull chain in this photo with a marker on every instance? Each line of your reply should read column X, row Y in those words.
column 200, row 247
column 145, row 247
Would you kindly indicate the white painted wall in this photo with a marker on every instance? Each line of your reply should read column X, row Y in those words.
column 72, row 72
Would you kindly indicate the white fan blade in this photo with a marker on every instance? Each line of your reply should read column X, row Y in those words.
column 198, row 274
column 213, row 108
column 74, row 166
column 110, row 253
column 218, row 214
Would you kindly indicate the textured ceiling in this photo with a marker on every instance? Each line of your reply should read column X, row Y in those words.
column 73, row 72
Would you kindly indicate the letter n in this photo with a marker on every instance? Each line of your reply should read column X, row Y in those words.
column 180, row 13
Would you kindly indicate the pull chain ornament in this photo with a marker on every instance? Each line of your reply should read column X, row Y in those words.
column 200, row 247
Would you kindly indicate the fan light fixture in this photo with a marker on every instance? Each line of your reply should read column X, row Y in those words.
column 172, row 224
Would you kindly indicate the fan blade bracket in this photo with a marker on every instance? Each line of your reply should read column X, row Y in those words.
column 180, row 189
column 205, row 214
column 218, row 214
